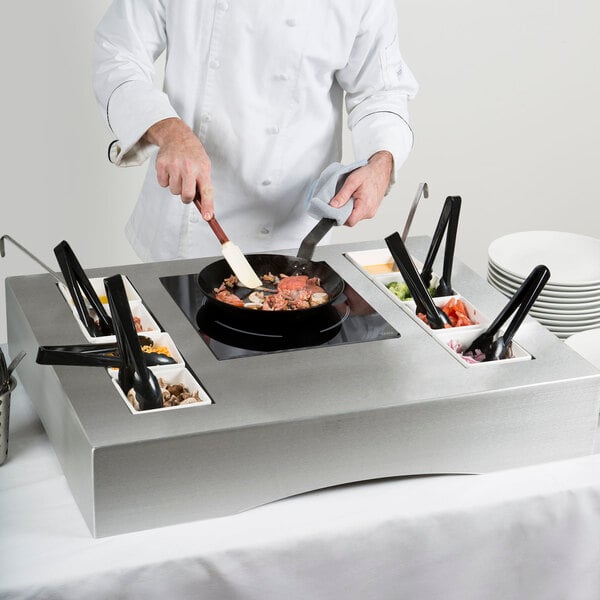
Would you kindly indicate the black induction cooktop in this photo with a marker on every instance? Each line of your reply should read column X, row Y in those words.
column 351, row 320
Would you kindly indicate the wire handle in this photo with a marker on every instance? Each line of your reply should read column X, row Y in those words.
column 30, row 254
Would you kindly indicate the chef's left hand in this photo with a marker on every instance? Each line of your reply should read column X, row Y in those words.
column 367, row 185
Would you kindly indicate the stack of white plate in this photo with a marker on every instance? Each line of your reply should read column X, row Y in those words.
column 570, row 301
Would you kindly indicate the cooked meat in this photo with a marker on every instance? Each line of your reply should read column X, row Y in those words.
column 229, row 298
column 294, row 292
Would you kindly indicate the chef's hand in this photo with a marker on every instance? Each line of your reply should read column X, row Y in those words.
column 368, row 186
column 182, row 164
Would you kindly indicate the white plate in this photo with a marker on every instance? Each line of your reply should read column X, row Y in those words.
column 567, row 324
column 573, row 259
column 549, row 290
column 566, row 304
column 566, row 319
column 566, row 314
column 551, row 286
column 587, row 343
column 569, row 330
column 551, row 299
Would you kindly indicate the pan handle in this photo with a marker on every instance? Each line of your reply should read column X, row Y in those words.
column 314, row 236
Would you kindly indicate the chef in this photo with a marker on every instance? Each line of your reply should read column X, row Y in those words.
column 250, row 113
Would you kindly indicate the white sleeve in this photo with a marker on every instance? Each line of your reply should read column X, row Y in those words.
column 128, row 40
column 378, row 86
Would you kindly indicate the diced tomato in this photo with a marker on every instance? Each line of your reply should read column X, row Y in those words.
column 457, row 313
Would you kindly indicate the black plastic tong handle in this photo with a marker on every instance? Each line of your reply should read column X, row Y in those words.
column 436, row 318
column 521, row 302
column 89, row 355
column 133, row 372
column 94, row 355
column 77, row 283
column 447, row 223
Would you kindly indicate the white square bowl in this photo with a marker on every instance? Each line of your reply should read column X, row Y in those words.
column 465, row 336
column 373, row 262
column 148, row 324
column 170, row 375
column 477, row 317
column 98, row 285
column 159, row 339
column 382, row 281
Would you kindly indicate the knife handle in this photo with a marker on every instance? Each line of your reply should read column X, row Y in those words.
column 221, row 235
column 214, row 225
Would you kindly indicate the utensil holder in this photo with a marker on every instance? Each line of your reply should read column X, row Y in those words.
column 4, row 419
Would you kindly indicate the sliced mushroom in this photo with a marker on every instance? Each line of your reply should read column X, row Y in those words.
column 318, row 298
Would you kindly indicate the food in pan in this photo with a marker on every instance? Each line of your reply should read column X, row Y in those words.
column 400, row 290
column 282, row 292
column 457, row 313
column 174, row 394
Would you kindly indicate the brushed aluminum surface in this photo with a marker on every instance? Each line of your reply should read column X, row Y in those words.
column 289, row 422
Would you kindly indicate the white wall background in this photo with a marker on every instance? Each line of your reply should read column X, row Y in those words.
column 507, row 117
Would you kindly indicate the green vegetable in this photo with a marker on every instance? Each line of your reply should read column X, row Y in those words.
column 401, row 290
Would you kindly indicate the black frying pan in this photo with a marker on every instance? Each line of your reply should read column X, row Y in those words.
column 288, row 321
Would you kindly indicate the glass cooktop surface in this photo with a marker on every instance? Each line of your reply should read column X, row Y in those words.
column 348, row 319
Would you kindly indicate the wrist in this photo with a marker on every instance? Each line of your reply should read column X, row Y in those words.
column 383, row 157
column 167, row 130
column 383, row 160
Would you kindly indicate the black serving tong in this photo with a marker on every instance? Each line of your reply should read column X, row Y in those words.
column 79, row 286
column 521, row 302
column 436, row 318
column 133, row 372
column 94, row 355
column 447, row 223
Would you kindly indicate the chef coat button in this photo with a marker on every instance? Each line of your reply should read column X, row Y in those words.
column 222, row 6
column 214, row 64
column 205, row 118
column 267, row 182
column 291, row 22
column 194, row 217
column 273, row 130
column 283, row 76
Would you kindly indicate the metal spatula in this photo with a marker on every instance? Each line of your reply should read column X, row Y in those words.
column 233, row 255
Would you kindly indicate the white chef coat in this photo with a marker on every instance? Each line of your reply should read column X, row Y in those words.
column 262, row 84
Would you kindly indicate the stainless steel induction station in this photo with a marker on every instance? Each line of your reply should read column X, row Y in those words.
column 284, row 422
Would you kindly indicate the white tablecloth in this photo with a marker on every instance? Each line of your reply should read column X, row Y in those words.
column 522, row 534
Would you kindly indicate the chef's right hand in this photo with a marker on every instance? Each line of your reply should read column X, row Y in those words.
column 182, row 163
